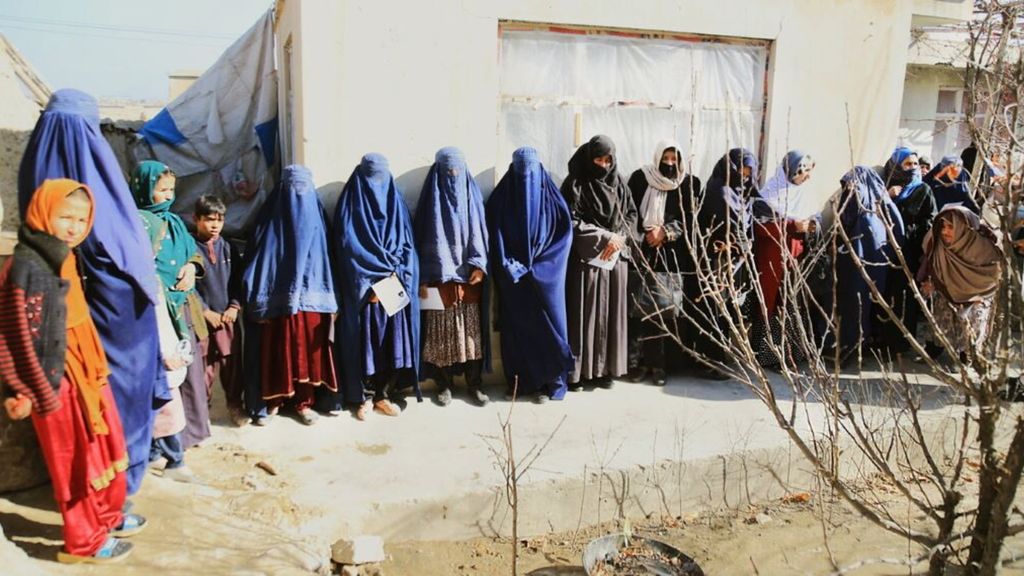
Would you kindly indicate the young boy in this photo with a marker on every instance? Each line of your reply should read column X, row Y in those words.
column 54, row 368
column 219, row 290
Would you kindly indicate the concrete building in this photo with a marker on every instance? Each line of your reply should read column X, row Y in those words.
column 932, row 112
column 405, row 79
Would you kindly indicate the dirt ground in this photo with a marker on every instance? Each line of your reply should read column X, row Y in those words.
column 777, row 538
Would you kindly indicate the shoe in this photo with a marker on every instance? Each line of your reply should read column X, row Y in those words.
column 576, row 386
column 706, row 373
column 261, row 420
column 605, row 382
column 113, row 550
column 386, row 407
column 541, row 399
column 364, row 410
column 130, row 525
column 658, row 377
column 273, row 411
column 238, row 416
column 637, row 374
column 308, row 416
column 182, row 474
column 478, row 397
column 444, row 397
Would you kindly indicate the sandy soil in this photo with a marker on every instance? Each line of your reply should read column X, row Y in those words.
column 777, row 538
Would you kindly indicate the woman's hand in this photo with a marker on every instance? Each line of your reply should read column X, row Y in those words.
column 213, row 319
column 186, row 278
column 655, row 237
column 477, row 276
column 18, row 408
column 373, row 297
column 174, row 363
column 801, row 226
column 615, row 243
column 230, row 315
column 927, row 288
column 894, row 191
column 423, row 291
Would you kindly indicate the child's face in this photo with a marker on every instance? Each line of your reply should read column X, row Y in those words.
column 209, row 226
column 164, row 189
column 70, row 221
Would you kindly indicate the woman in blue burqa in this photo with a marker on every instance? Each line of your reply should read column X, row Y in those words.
column 121, row 289
column 451, row 240
column 951, row 184
column 916, row 203
column 867, row 215
column 604, row 230
column 530, row 236
column 288, row 289
column 374, row 241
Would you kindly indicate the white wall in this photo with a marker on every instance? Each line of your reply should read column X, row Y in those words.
column 406, row 78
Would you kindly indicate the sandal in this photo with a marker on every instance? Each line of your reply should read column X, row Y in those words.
column 130, row 525
column 386, row 408
column 364, row 410
column 113, row 550
column 308, row 417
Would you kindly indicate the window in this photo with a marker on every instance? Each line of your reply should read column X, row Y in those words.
column 559, row 86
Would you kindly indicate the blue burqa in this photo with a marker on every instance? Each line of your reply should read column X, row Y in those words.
column 865, row 212
column 373, row 240
column 451, row 231
column 116, row 260
column 288, row 268
column 951, row 190
column 531, row 235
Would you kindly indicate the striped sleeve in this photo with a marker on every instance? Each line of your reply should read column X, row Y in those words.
column 19, row 366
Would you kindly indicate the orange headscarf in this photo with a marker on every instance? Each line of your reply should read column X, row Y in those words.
column 85, row 363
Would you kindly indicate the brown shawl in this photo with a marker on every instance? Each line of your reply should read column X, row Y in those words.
column 968, row 269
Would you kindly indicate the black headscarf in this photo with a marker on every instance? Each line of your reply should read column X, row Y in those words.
column 596, row 195
column 727, row 196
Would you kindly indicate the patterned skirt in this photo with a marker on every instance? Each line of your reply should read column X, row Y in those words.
column 453, row 335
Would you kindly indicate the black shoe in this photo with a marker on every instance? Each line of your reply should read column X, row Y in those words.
column 605, row 382
column 706, row 373
column 638, row 374
column 575, row 386
column 658, row 377
column 541, row 399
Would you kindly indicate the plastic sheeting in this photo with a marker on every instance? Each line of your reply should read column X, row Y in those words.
column 220, row 135
column 709, row 96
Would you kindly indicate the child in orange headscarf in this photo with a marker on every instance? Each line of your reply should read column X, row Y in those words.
column 54, row 369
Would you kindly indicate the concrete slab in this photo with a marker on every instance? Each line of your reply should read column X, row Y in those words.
column 431, row 473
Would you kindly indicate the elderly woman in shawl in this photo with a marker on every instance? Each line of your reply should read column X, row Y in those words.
column 451, row 240
column 122, row 288
column 665, row 195
column 604, row 228
column 288, row 289
column 177, row 265
column 724, row 236
column 531, row 235
column 374, row 242
column 961, row 270
column 787, row 219
column 867, row 215
column 951, row 184
column 916, row 203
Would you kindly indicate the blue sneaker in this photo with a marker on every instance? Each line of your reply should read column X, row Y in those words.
column 113, row 550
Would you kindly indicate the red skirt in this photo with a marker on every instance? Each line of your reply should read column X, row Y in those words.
column 87, row 469
column 296, row 349
column 769, row 242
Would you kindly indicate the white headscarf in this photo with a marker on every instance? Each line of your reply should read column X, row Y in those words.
column 785, row 198
column 652, row 207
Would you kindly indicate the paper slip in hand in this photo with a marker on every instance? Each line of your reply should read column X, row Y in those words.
column 432, row 301
column 606, row 264
column 392, row 294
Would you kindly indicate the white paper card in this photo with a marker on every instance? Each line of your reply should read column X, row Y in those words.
column 392, row 294
column 432, row 301
column 606, row 264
